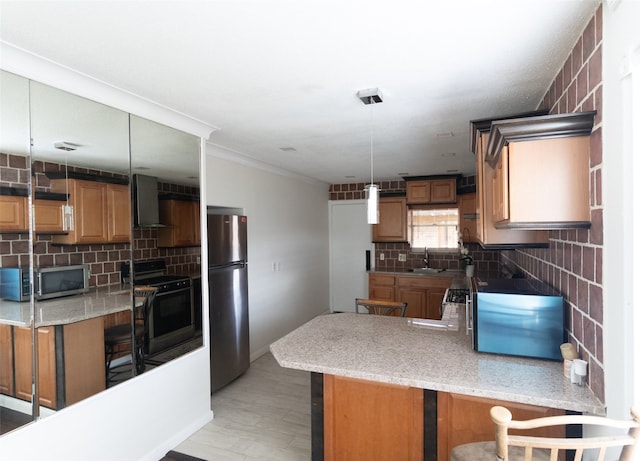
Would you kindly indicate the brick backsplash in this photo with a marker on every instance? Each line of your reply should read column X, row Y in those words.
column 573, row 262
column 104, row 259
column 484, row 260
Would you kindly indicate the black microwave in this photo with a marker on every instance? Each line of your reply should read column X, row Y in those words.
column 50, row 282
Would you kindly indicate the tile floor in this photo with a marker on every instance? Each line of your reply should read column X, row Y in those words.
column 263, row 415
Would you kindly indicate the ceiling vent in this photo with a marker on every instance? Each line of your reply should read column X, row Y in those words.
column 66, row 146
column 370, row 96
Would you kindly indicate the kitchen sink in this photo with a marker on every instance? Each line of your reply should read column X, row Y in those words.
column 427, row 270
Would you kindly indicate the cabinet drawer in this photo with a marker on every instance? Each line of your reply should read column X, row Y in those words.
column 385, row 280
column 424, row 281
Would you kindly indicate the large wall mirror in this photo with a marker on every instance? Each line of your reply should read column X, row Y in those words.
column 112, row 245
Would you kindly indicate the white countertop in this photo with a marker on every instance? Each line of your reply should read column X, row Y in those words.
column 390, row 350
column 69, row 309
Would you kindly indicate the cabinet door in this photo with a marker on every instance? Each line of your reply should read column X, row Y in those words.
column 90, row 212
column 180, row 218
column 46, row 364
column 89, row 201
column 416, row 299
column 365, row 420
column 196, row 221
column 6, row 360
column 488, row 235
column 47, row 215
column 465, row 419
column 418, row 192
column 23, row 360
column 382, row 287
column 392, row 226
column 433, row 308
column 443, row 190
column 84, row 368
column 13, row 213
column 467, row 217
column 119, row 212
column 500, row 188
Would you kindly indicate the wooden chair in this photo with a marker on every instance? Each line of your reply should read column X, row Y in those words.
column 508, row 447
column 373, row 306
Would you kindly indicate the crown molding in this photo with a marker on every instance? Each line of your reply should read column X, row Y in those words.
column 34, row 67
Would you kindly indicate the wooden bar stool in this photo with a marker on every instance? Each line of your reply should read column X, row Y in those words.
column 134, row 333
column 374, row 306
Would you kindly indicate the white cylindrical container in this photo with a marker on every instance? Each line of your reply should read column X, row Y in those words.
column 579, row 372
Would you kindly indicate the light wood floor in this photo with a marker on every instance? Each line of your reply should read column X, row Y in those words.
column 263, row 415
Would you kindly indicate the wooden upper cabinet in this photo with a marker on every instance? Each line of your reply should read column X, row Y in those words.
column 392, row 223
column 418, row 192
column 13, row 213
column 467, row 217
column 443, row 190
column 428, row 191
column 119, row 213
column 101, row 211
column 47, row 216
column 181, row 219
column 541, row 171
column 488, row 235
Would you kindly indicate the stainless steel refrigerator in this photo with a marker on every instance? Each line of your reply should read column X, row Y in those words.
column 228, row 299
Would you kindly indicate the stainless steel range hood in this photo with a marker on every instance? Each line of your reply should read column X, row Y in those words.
column 145, row 192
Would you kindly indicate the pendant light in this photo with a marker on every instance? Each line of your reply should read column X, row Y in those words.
column 370, row 97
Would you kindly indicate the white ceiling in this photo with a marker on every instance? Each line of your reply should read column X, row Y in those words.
column 273, row 75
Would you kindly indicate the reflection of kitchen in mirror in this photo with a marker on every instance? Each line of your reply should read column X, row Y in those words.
column 95, row 328
column 165, row 172
column 16, row 373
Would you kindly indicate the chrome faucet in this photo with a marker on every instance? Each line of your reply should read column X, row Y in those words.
column 426, row 257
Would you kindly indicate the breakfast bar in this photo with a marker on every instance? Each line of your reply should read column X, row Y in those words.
column 70, row 343
column 432, row 376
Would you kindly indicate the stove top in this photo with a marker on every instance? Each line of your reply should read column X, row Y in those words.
column 456, row 296
column 152, row 273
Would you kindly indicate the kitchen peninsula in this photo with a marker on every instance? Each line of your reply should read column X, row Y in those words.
column 382, row 379
column 70, row 332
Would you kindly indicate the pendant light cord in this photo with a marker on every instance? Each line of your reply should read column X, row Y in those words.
column 371, row 134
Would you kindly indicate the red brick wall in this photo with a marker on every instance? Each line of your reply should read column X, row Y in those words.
column 573, row 262
column 104, row 259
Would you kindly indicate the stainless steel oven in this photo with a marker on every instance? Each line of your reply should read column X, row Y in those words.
column 171, row 319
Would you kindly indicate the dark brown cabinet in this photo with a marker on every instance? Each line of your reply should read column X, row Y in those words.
column 182, row 223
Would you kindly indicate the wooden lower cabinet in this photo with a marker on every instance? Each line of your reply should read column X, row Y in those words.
column 382, row 287
column 422, row 293
column 6, row 360
column 354, row 419
column 465, row 419
column 78, row 372
column 365, row 420
column 23, row 353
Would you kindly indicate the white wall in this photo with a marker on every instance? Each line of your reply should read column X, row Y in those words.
column 288, row 231
column 621, row 65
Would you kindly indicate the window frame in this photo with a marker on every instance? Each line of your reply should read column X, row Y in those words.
column 410, row 226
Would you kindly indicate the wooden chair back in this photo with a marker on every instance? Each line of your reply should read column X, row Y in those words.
column 374, row 306
column 503, row 421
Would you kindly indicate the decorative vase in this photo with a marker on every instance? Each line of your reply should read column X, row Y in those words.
column 469, row 270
